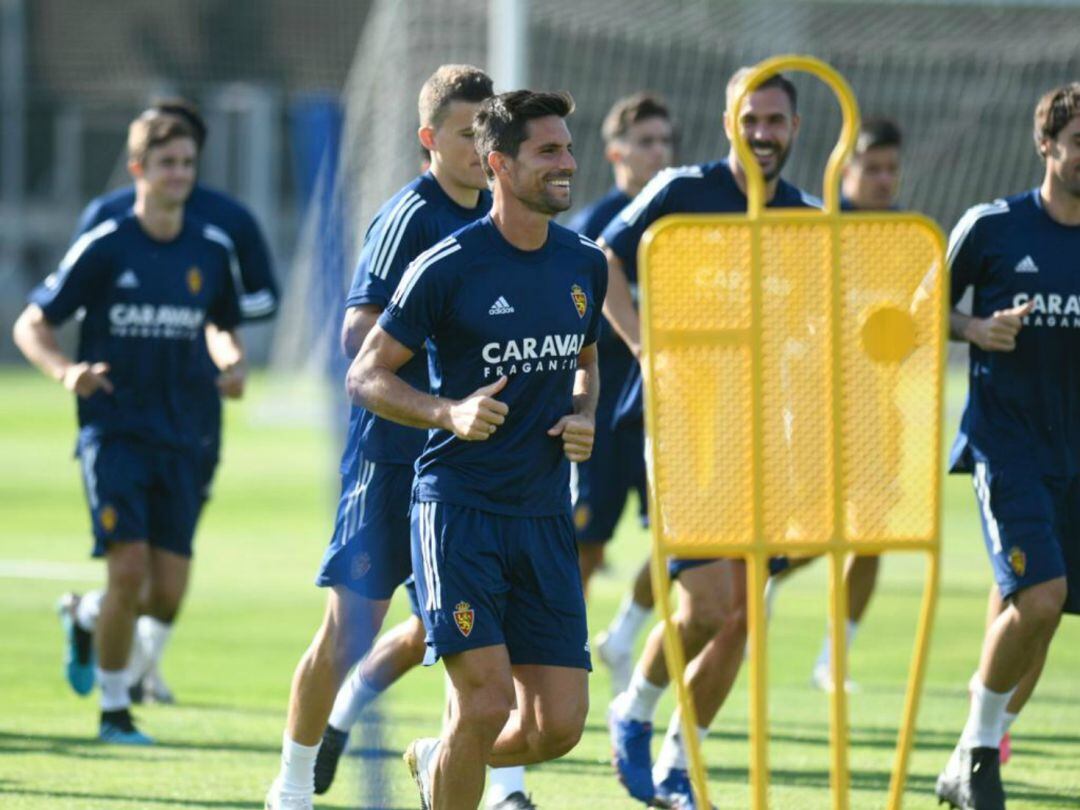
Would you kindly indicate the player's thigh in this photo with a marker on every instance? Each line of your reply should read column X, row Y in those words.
column 481, row 685
column 369, row 551
column 116, row 480
column 175, row 500
column 461, row 573
column 1020, row 527
column 545, row 622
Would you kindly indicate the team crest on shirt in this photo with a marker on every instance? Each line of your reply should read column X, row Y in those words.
column 581, row 301
column 464, row 616
column 361, row 564
column 107, row 519
column 1017, row 561
column 194, row 280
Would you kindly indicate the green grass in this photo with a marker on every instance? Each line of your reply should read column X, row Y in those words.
column 252, row 610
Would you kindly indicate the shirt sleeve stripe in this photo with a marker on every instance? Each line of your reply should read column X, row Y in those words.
column 383, row 262
column 637, row 206
column 388, row 225
column 419, row 265
column 215, row 234
column 967, row 223
column 590, row 243
column 80, row 245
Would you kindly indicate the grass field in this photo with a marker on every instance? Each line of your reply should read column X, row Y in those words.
column 252, row 610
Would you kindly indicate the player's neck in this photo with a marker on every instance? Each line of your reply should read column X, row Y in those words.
column 740, row 178
column 625, row 183
column 464, row 196
column 1060, row 205
column 160, row 222
column 522, row 227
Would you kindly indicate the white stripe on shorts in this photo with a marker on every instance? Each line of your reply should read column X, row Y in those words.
column 88, row 457
column 982, row 492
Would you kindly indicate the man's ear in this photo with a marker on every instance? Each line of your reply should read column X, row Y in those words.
column 498, row 162
column 135, row 169
column 426, row 136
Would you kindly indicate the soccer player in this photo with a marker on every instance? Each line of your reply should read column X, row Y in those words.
column 869, row 182
column 638, row 142
column 511, row 306
column 711, row 615
column 369, row 552
column 1018, row 434
column 150, row 282
column 258, row 301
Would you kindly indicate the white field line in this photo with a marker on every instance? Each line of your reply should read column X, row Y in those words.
column 52, row 571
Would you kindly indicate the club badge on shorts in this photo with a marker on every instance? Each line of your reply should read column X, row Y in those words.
column 107, row 518
column 581, row 301
column 361, row 564
column 464, row 616
column 1017, row 561
column 194, row 280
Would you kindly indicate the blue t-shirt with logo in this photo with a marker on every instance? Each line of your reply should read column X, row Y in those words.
column 146, row 303
column 1023, row 406
column 490, row 310
column 410, row 222
column 707, row 188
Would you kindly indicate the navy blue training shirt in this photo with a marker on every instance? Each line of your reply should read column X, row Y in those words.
column 1023, row 406
column 615, row 358
column 410, row 222
column 492, row 310
column 146, row 304
column 707, row 188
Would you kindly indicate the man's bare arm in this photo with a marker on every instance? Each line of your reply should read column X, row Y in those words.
column 36, row 339
column 619, row 306
column 358, row 322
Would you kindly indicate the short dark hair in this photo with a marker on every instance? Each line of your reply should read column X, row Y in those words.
column 149, row 131
column 1055, row 110
column 451, row 83
column 775, row 80
column 185, row 110
column 876, row 133
column 630, row 110
column 501, row 123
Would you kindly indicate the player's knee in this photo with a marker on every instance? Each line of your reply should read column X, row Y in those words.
column 702, row 620
column 736, row 624
column 559, row 737
column 415, row 641
column 1040, row 606
column 485, row 711
column 127, row 570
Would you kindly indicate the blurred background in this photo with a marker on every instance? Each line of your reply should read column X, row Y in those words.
column 311, row 105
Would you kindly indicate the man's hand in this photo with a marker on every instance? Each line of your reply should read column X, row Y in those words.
column 86, row 379
column 998, row 332
column 231, row 380
column 578, row 432
column 479, row 415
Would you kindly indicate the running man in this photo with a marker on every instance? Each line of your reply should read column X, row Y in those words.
column 151, row 282
column 258, row 302
column 711, row 614
column 638, row 142
column 511, row 306
column 1020, row 433
column 369, row 552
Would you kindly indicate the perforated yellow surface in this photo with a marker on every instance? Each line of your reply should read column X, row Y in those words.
column 834, row 368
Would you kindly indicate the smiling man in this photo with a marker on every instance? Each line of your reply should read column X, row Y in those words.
column 711, row 616
column 150, row 282
column 510, row 306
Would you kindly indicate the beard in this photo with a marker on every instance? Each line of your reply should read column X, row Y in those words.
column 781, row 156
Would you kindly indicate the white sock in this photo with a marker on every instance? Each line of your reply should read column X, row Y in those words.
column 624, row 628
column 504, row 781
column 1007, row 721
column 138, row 661
column 986, row 717
column 352, row 698
column 824, row 658
column 114, row 689
column 639, row 700
column 297, row 766
column 88, row 609
column 673, row 752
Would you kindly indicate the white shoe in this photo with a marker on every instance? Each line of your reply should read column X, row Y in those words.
column 619, row 662
column 822, row 679
column 278, row 798
column 420, row 757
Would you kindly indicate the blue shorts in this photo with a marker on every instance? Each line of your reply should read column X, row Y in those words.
column 414, row 600
column 489, row 579
column 369, row 550
column 1031, row 526
column 677, row 566
column 604, row 481
column 140, row 493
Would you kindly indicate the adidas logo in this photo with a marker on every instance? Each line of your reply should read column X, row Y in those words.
column 501, row 307
column 1027, row 265
column 128, row 280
